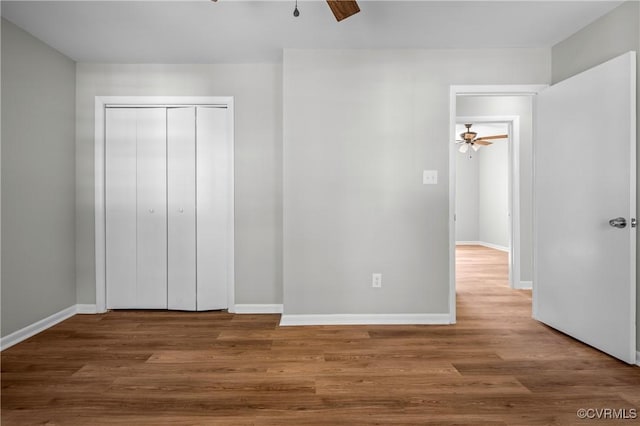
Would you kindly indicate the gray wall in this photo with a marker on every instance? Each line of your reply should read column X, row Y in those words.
column 359, row 128
column 493, row 191
column 467, row 197
column 521, row 106
column 610, row 36
column 257, row 89
column 482, row 192
column 38, row 180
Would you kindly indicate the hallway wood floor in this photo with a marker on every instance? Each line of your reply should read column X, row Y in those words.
column 496, row 366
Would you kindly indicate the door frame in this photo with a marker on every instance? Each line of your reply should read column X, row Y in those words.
column 513, row 189
column 454, row 92
column 101, row 102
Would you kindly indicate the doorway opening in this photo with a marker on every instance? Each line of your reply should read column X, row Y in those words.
column 488, row 182
column 498, row 108
column 584, row 269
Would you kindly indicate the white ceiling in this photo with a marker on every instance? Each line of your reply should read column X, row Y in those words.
column 232, row 31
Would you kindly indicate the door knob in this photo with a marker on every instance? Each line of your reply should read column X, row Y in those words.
column 618, row 222
column 181, row 210
column 150, row 210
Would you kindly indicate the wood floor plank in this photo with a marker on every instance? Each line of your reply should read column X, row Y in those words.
column 496, row 366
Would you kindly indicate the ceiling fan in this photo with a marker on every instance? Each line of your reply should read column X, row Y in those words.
column 341, row 9
column 470, row 139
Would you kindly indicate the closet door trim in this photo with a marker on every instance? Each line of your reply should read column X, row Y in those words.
column 104, row 102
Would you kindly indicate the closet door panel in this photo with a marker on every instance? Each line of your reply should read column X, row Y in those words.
column 151, row 292
column 181, row 208
column 120, row 202
column 213, row 195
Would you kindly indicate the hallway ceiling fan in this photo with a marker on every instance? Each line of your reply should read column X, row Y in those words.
column 470, row 139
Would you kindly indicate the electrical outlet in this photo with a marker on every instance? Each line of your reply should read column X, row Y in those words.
column 376, row 280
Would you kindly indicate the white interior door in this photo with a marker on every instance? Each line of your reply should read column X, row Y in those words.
column 584, row 176
column 213, row 174
column 120, row 212
column 181, row 208
column 151, row 290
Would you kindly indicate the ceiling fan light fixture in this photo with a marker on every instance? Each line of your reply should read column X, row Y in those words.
column 471, row 138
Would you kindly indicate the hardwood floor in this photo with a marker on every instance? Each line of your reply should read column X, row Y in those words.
column 496, row 366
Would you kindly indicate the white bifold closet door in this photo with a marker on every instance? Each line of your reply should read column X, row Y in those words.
column 181, row 207
column 198, row 199
column 120, row 199
column 168, row 198
column 136, row 200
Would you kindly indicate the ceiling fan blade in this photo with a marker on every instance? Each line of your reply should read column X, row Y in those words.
column 342, row 9
column 493, row 137
column 481, row 142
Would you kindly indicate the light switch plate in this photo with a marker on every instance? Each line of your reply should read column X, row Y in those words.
column 430, row 177
column 376, row 280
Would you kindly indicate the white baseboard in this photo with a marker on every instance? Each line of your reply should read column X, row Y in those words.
column 468, row 243
column 258, row 308
column 525, row 285
column 364, row 319
column 86, row 309
column 37, row 327
column 495, row 246
column 638, row 358
column 482, row 243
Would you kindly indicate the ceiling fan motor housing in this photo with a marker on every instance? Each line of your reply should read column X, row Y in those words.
column 468, row 135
